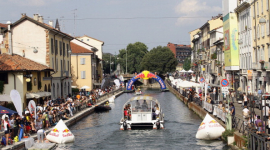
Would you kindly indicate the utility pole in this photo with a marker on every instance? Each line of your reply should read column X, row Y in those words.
column 110, row 64
column 126, row 61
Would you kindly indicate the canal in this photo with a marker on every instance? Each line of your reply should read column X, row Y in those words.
column 101, row 130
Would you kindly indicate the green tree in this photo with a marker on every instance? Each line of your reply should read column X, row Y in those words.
column 132, row 56
column 159, row 59
column 106, row 62
column 186, row 64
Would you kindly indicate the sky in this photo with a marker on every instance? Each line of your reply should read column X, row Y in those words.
column 120, row 22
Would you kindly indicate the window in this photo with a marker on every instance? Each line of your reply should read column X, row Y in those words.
column 87, row 39
column 262, row 53
column 56, row 47
column 67, row 50
column 258, row 9
column 258, row 55
column 82, row 40
column 82, row 74
column 267, row 4
column 52, row 64
column 52, row 45
column 60, row 49
column 262, row 30
column 267, row 27
column 262, row 6
column 64, row 49
column 4, row 77
column 82, row 61
column 254, row 33
column 258, row 31
column 56, row 64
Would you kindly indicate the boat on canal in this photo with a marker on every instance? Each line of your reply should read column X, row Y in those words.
column 138, row 92
column 142, row 111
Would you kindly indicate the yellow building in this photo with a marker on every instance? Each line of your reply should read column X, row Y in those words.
column 98, row 44
column 44, row 44
column 83, row 65
column 261, row 44
column 25, row 76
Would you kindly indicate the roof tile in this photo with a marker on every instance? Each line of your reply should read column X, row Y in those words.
column 18, row 63
column 79, row 49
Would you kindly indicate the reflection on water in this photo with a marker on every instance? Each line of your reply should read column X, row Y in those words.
column 101, row 130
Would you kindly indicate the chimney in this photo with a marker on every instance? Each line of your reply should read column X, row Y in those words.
column 10, row 51
column 51, row 23
column 35, row 17
column 40, row 19
column 23, row 15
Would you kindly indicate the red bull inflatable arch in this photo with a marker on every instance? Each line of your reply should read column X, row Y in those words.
column 146, row 75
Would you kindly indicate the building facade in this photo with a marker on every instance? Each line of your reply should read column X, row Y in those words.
column 44, row 44
column 181, row 52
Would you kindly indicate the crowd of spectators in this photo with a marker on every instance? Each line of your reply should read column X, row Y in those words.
column 49, row 113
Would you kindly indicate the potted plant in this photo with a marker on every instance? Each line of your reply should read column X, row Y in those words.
column 228, row 136
column 214, row 56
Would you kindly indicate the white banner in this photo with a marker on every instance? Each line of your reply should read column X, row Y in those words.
column 32, row 108
column 17, row 101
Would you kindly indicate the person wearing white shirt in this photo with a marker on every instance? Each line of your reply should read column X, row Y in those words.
column 266, row 112
column 245, row 115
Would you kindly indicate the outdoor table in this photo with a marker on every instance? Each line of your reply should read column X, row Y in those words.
column 29, row 142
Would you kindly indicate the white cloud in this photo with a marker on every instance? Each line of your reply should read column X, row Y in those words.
column 195, row 8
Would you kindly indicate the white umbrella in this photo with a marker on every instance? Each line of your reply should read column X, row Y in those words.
column 85, row 87
column 183, row 70
column 190, row 71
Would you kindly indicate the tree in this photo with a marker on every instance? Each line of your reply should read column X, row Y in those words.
column 106, row 62
column 159, row 59
column 186, row 64
column 133, row 54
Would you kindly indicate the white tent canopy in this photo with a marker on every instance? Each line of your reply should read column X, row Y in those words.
column 190, row 71
column 85, row 87
column 183, row 70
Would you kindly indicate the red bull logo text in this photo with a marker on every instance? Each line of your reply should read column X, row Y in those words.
column 202, row 123
column 150, row 75
column 141, row 75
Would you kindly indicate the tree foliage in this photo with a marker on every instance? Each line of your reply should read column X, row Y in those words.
column 186, row 64
column 106, row 62
column 132, row 56
column 159, row 59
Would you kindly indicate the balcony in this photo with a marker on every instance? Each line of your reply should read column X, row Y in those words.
column 64, row 74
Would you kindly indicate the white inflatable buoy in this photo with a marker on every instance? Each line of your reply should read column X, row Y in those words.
column 111, row 99
column 209, row 129
column 60, row 134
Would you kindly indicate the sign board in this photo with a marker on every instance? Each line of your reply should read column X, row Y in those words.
column 224, row 82
column 202, row 80
column 225, row 90
column 249, row 72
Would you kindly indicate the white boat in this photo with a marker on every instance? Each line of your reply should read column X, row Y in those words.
column 142, row 111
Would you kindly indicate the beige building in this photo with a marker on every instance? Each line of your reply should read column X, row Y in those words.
column 261, row 44
column 25, row 76
column 98, row 45
column 44, row 44
column 84, row 65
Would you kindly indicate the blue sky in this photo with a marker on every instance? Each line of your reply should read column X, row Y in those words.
column 120, row 22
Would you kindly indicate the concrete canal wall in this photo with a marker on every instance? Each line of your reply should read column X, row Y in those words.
column 239, row 140
column 73, row 120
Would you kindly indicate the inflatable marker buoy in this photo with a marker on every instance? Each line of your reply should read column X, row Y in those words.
column 209, row 129
column 60, row 134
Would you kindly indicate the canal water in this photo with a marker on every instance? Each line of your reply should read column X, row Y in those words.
column 101, row 130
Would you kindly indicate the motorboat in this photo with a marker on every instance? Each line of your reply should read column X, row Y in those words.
column 142, row 111
column 138, row 92
column 111, row 99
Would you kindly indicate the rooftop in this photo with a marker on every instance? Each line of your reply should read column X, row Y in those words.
column 18, row 63
column 79, row 49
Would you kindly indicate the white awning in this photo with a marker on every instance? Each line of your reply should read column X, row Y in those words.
column 37, row 95
column 5, row 98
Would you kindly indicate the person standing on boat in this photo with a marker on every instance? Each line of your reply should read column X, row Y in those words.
column 157, row 111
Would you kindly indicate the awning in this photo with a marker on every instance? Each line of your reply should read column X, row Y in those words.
column 37, row 95
column 5, row 98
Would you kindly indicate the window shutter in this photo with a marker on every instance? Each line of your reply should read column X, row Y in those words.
column 83, row 74
column 258, row 31
column 267, row 27
column 84, row 61
column 81, row 61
